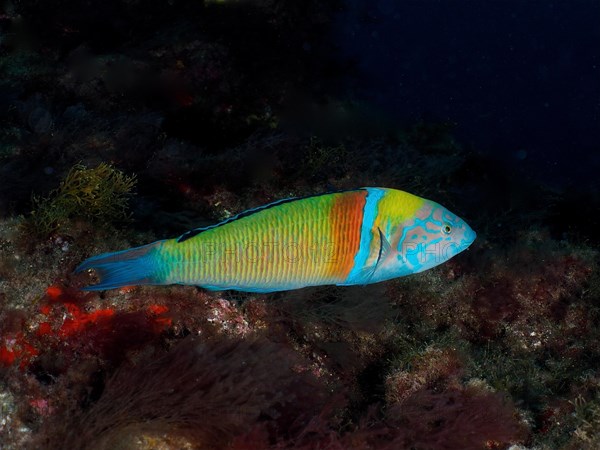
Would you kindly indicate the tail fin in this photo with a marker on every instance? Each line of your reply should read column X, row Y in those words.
column 130, row 267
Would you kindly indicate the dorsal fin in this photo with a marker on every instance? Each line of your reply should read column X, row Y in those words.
column 246, row 213
column 249, row 212
column 190, row 234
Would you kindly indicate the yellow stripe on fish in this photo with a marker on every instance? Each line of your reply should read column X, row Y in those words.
column 352, row 237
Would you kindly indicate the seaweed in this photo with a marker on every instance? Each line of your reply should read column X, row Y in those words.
column 465, row 418
column 99, row 195
column 205, row 392
column 587, row 417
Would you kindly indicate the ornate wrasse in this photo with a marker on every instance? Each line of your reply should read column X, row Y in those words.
column 352, row 237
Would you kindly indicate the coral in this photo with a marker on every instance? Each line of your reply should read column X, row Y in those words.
column 99, row 194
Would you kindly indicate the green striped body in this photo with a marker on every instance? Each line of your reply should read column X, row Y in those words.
column 306, row 242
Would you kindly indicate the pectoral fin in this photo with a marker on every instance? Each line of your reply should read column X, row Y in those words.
column 384, row 250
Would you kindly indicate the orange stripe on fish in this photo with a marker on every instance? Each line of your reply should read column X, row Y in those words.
column 346, row 217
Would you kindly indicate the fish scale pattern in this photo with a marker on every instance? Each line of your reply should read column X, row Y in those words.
column 305, row 242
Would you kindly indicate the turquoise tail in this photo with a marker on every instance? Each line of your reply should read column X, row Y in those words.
column 130, row 267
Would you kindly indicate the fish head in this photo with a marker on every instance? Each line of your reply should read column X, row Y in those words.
column 432, row 237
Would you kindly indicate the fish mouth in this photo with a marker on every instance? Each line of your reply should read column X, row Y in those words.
column 468, row 238
column 471, row 236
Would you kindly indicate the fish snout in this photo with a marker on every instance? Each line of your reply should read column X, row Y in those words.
column 469, row 236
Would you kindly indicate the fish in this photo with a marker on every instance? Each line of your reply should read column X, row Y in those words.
column 353, row 237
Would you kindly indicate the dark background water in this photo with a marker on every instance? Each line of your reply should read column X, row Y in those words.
column 156, row 88
column 520, row 79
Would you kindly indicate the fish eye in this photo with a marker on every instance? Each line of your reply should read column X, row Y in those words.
column 446, row 228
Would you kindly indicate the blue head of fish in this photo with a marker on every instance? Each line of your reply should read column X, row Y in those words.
column 433, row 237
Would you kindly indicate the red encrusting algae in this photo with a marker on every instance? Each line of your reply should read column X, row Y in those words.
column 16, row 349
column 68, row 327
